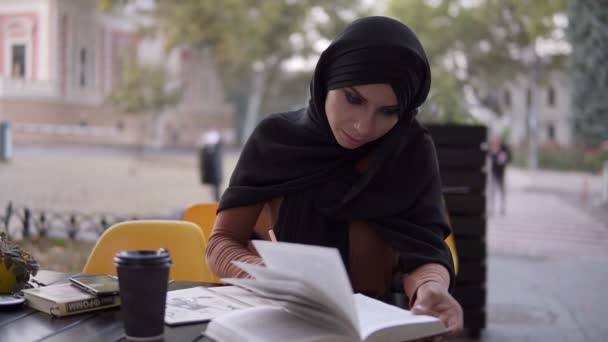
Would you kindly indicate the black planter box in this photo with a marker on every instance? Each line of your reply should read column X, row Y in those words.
column 461, row 151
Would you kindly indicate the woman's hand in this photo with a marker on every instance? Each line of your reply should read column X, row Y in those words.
column 434, row 300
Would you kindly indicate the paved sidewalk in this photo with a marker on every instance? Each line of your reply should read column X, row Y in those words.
column 546, row 272
column 574, row 182
column 581, row 189
column 540, row 299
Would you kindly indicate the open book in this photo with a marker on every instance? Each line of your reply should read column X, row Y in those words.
column 316, row 303
column 201, row 304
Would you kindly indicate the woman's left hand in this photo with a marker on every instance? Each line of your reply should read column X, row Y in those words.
column 434, row 300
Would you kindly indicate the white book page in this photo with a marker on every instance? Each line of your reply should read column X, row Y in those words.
column 260, row 272
column 332, row 322
column 242, row 296
column 277, row 290
column 268, row 324
column 383, row 322
column 196, row 304
column 284, row 283
column 321, row 266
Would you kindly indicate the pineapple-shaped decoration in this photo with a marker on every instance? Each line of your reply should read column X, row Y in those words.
column 16, row 266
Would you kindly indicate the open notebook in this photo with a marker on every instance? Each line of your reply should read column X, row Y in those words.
column 316, row 303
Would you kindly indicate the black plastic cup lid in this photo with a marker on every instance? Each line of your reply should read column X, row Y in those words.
column 142, row 257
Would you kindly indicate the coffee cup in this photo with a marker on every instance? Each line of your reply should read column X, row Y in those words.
column 143, row 277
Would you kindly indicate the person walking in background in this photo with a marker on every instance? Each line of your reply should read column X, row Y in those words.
column 355, row 170
column 500, row 156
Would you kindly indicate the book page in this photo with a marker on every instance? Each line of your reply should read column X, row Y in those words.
column 292, row 291
column 262, row 272
column 197, row 304
column 383, row 322
column 241, row 295
column 284, row 283
column 268, row 324
column 323, row 318
column 322, row 267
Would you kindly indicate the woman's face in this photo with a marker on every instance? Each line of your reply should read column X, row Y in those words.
column 361, row 114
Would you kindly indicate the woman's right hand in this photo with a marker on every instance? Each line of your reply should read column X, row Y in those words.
column 434, row 300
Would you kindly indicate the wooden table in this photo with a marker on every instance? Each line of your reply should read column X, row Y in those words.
column 24, row 324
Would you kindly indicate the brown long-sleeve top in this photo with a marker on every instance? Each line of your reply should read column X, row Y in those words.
column 372, row 261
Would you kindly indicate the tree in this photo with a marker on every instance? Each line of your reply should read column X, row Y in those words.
column 250, row 39
column 146, row 88
column 588, row 34
column 475, row 46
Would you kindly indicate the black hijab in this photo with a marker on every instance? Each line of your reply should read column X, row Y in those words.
column 295, row 155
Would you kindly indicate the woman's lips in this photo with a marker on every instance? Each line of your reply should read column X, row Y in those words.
column 353, row 140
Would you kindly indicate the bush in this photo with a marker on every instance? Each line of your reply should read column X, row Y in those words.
column 562, row 158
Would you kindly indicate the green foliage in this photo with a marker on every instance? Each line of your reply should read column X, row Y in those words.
column 246, row 34
column 588, row 34
column 143, row 89
column 560, row 158
column 475, row 47
column 17, row 261
column 243, row 32
column 288, row 91
column 444, row 105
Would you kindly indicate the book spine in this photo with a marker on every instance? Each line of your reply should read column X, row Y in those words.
column 85, row 305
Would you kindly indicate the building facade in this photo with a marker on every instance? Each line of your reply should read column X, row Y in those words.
column 60, row 59
column 552, row 101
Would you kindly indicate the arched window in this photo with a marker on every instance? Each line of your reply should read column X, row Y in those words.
column 18, row 61
column 18, row 47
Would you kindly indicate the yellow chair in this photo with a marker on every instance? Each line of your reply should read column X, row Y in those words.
column 203, row 214
column 184, row 240
column 450, row 239
column 450, row 242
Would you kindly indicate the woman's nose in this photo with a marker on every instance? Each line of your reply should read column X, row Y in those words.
column 363, row 125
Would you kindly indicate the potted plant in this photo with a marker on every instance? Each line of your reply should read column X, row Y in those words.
column 16, row 266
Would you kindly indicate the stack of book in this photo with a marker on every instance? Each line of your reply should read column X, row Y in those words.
column 65, row 299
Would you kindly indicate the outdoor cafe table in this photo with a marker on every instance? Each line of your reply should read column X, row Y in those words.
column 24, row 324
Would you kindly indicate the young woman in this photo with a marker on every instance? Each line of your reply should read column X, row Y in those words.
column 354, row 170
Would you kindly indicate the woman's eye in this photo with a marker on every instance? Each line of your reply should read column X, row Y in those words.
column 352, row 99
column 390, row 111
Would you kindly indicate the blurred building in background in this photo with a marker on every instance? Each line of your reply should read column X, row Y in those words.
column 60, row 59
column 553, row 105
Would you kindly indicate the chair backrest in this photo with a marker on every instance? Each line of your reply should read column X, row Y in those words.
column 450, row 242
column 184, row 240
column 203, row 214
column 450, row 239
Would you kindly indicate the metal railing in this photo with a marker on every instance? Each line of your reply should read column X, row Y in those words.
column 45, row 223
